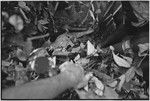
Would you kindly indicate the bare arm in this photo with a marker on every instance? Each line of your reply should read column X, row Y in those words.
column 43, row 89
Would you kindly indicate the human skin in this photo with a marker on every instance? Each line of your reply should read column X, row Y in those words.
column 48, row 88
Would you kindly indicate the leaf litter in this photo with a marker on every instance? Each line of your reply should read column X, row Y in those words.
column 71, row 33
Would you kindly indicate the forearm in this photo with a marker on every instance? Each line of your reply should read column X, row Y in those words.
column 42, row 89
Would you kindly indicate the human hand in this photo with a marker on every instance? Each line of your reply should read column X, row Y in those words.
column 73, row 71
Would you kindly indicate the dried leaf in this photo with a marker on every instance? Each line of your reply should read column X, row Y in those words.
column 74, row 50
column 5, row 63
column 17, row 22
column 113, row 84
column 82, row 61
column 77, row 57
column 120, row 62
column 142, row 48
column 90, row 48
column 43, row 22
column 130, row 74
column 32, row 64
column 51, row 9
column 110, row 93
column 23, row 5
column 38, row 53
column 128, row 59
column 98, row 83
column 21, row 55
column 141, row 11
column 126, row 45
column 86, row 88
column 122, row 80
column 92, row 15
column 99, row 92
column 103, row 76
column 139, row 72
column 52, row 61
column 5, row 14
column 82, row 45
column 28, row 46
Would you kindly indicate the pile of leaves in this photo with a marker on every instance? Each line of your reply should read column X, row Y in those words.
column 39, row 37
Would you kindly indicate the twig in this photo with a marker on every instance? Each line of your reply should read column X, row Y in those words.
column 39, row 37
column 109, row 8
column 56, row 6
column 25, row 17
column 80, row 34
column 117, row 10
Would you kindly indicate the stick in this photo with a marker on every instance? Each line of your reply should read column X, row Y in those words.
column 39, row 37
